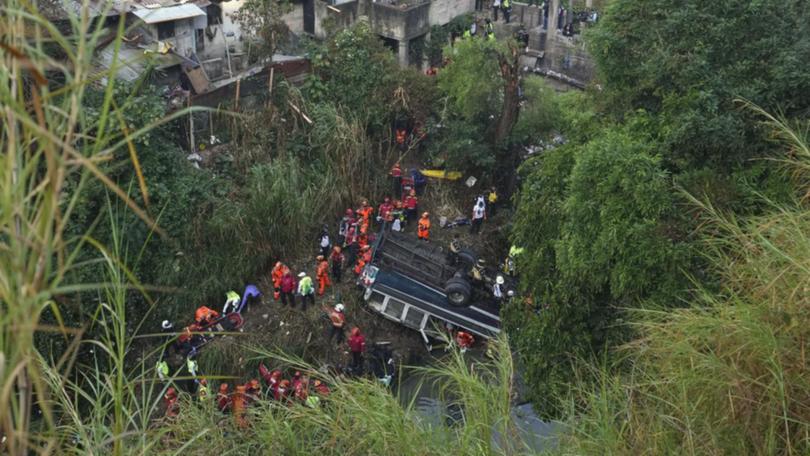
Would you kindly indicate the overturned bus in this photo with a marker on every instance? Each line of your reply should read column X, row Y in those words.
column 420, row 286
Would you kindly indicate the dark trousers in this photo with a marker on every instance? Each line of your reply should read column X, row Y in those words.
column 325, row 251
column 491, row 209
column 410, row 214
column 307, row 297
column 338, row 333
column 357, row 361
column 351, row 256
column 495, row 13
column 337, row 271
column 506, row 12
column 479, row 5
column 397, row 187
column 475, row 226
column 288, row 299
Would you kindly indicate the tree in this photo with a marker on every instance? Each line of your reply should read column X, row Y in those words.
column 686, row 63
column 262, row 20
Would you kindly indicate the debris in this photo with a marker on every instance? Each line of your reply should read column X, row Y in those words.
column 470, row 181
column 265, row 316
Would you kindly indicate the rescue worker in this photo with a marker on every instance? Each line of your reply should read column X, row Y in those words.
column 202, row 389
column 343, row 228
column 252, row 296
column 398, row 216
column 231, row 302
column 352, row 248
column 337, row 263
column 192, row 366
column 492, row 201
column 411, row 204
column 362, row 241
column 322, row 273
column 338, row 320
column 384, row 211
column 288, row 287
column 497, row 288
column 204, row 316
column 357, row 345
column 301, row 388
column 401, row 137
column 282, row 390
column 223, row 398
column 477, row 271
column 277, row 274
column 489, row 29
column 363, row 259
column 364, row 212
column 162, row 369
column 506, row 7
column 184, row 340
column 452, row 251
column 464, row 340
column 253, row 391
column 396, row 180
column 510, row 264
column 306, row 290
column 423, row 228
column 324, row 243
column 270, row 377
column 478, row 215
column 170, row 400
column 321, row 388
column 238, row 404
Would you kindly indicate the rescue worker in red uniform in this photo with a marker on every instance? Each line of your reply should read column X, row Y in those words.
column 396, row 177
column 337, row 259
column 338, row 319
column 170, row 400
column 223, row 398
column 357, row 345
column 464, row 340
column 385, row 212
column 282, row 390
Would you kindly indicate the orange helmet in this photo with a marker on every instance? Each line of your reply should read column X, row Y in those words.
column 284, row 383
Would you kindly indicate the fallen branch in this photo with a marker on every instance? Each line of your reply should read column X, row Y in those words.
column 295, row 108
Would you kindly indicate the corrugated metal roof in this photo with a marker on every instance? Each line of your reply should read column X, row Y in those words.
column 167, row 14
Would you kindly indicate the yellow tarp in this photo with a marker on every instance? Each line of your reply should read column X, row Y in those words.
column 441, row 174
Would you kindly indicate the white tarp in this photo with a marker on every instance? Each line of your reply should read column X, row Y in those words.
column 173, row 13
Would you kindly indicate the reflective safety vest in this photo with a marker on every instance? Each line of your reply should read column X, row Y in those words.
column 232, row 296
column 506, row 4
column 305, row 286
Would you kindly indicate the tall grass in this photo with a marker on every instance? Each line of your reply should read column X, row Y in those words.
column 727, row 375
column 362, row 417
column 49, row 144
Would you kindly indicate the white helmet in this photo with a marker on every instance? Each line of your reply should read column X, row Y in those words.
column 339, row 307
column 166, row 324
column 499, row 280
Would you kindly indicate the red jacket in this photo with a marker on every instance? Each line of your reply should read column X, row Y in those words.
column 357, row 343
column 410, row 202
column 385, row 211
column 288, row 284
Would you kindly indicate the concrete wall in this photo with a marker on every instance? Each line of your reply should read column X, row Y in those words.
column 443, row 11
column 184, row 40
column 346, row 17
column 398, row 23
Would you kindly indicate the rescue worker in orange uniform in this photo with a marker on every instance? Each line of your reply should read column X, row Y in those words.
column 338, row 319
column 365, row 212
column 253, row 391
column 322, row 273
column 278, row 272
column 238, row 404
column 223, row 398
column 282, row 390
column 396, row 178
column 362, row 260
column 205, row 316
column 170, row 399
column 423, row 228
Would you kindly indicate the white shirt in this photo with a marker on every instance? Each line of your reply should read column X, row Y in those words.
column 324, row 241
column 478, row 212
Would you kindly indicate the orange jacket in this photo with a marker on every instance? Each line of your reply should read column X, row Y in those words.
column 204, row 313
column 277, row 274
column 238, row 405
column 338, row 319
column 366, row 212
column 322, row 270
column 424, row 225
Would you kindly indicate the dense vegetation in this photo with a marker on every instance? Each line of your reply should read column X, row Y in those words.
column 663, row 219
column 606, row 218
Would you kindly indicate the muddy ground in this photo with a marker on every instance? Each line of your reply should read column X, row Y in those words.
column 304, row 333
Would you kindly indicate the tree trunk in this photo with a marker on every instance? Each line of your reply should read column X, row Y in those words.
column 509, row 113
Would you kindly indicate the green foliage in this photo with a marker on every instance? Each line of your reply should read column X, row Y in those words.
column 594, row 221
column 352, row 70
column 472, row 81
column 540, row 114
column 261, row 21
column 726, row 374
column 690, row 79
